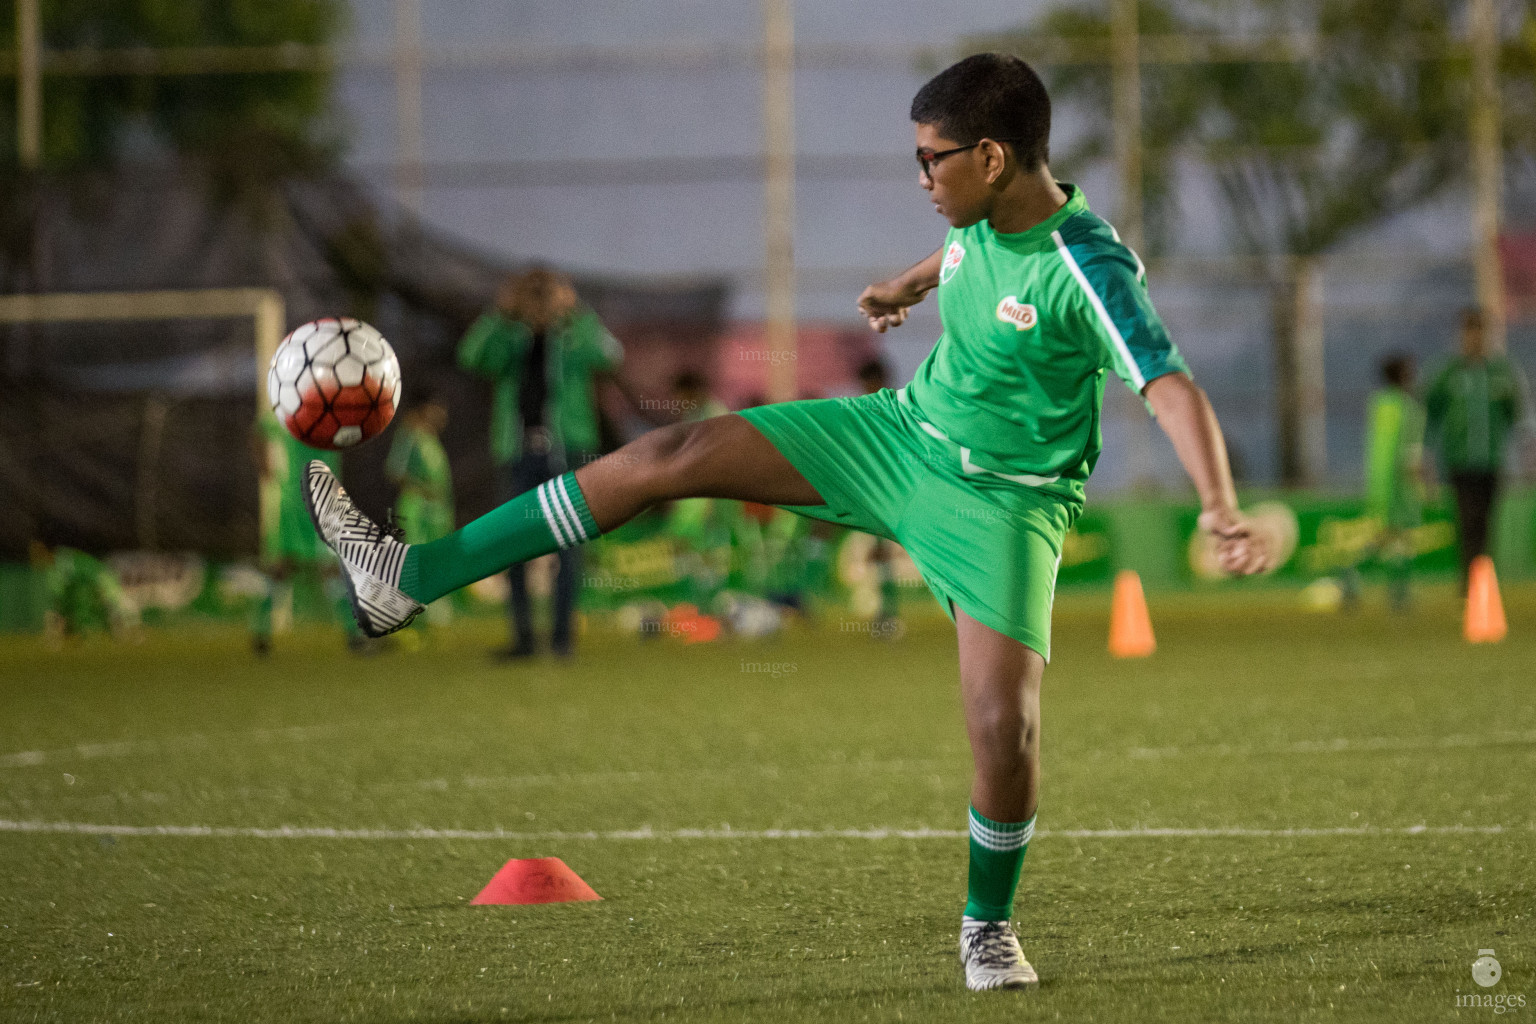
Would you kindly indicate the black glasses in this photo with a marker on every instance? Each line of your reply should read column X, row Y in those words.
column 926, row 157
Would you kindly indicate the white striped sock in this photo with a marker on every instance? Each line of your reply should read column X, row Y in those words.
column 551, row 516
column 568, row 517
column 1011, row 837
column 570, row 506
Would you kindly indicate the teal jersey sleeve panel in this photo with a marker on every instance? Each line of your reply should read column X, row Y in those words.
column 1114, row 282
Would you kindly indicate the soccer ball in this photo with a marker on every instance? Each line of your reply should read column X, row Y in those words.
column 334, row 383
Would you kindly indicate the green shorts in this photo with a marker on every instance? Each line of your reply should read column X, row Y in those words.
column 986, row 545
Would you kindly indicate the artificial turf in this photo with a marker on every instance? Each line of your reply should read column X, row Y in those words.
column 1253, row 715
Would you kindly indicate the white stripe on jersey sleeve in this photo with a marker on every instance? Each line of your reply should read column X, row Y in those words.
column 1121, row 348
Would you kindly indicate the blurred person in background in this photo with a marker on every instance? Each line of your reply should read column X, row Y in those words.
column 82, row 592
column 418, row 466
column 1473, row 404
column 692, row 399
column 289, row 545
column 1394, row 477
column 545, row 354
column 714, row 536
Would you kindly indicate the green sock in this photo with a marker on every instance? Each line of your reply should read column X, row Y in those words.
column 553, row 515
column 997, row 856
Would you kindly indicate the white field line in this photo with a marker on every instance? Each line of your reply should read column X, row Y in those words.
column 906, row 766
column 1344, row 745
column 189, row 741
column 205, row 795
column 310, row 733
column 724, row 832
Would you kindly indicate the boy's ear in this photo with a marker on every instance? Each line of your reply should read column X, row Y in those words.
column 996, row 158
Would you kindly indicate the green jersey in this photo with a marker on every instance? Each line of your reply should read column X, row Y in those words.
column 578, row 348
column 286, row 532
column 1394, row 445
column 1472, row 406
column 1032, row 322
column 418, row 464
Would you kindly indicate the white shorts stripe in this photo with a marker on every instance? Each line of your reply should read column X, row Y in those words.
column 966, row 465
column 551, row 518
column 570, row 506
column 1027, row 479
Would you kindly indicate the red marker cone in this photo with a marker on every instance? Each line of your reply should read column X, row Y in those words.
column 1130, row 627
column 535, row 880
column 1484, row 623
column 702, row 629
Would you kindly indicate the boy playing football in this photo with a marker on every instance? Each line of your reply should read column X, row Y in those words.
column 976, row 467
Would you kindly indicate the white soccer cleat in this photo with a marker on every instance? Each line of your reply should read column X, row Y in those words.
column 371, row 555
column 992, row 958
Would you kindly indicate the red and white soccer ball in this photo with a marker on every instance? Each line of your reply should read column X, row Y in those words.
column 334, row 383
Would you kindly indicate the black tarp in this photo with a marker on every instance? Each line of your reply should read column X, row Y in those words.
column 137, row 434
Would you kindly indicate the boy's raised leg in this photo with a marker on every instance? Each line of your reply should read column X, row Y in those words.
column 723, row 457
column 390, row 582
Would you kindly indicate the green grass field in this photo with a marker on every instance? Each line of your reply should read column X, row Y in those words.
column 1253, row 717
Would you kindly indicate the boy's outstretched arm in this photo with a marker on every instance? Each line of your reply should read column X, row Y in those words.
column 885, row 304
column 1185, row 415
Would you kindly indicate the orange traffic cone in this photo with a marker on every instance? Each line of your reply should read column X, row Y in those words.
column 1485, row 610
column 1130, row 627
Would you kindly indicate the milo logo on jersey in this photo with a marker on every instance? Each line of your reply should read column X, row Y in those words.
column 1021, row 314
column 952, row 257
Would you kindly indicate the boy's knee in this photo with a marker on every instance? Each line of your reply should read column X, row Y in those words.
column 1002, row 727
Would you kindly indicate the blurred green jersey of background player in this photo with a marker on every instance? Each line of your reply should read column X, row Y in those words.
column 1394, row 482
column 1473, row 404
column 290, row 548
column 544, row 353
column 83, row 593
column 418, row 466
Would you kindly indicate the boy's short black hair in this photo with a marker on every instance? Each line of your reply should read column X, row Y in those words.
column 1397, row 369
column 989, row 96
